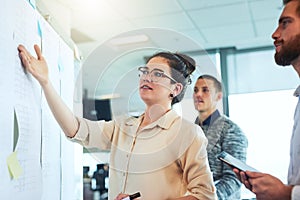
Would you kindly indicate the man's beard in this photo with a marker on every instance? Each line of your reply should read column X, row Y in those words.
column 289, row 51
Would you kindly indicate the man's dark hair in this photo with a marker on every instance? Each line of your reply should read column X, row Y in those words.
column 217, row 84
column 298, row 8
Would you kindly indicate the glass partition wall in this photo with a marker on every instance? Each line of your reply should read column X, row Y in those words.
column 261, row 101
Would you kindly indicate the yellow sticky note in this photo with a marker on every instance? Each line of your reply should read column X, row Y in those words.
column 14, row 166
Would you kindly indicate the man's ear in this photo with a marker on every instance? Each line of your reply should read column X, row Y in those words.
column 219, row 96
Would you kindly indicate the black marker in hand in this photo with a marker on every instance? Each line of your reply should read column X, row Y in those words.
column 132, row 196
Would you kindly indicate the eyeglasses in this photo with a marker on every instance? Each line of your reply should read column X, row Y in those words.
column 155, row 74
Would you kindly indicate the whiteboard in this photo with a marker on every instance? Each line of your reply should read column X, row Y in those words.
column 36, row 160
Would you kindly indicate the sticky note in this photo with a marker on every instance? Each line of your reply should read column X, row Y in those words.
column 60, row 65
column 14, row 166
column 39, row 28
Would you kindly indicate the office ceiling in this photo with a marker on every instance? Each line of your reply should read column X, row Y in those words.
column 213, row 24
column 178, row 25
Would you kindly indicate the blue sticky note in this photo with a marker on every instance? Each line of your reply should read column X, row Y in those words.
column 39, row 29
column 60, row 65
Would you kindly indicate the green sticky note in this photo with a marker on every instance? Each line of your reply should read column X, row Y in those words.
column 14, row 166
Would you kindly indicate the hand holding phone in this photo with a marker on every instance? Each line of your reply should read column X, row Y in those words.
column 234, row 162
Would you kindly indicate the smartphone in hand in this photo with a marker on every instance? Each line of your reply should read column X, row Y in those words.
column 234, row 162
